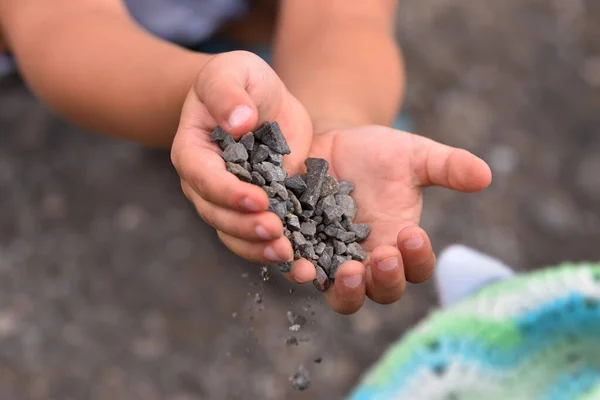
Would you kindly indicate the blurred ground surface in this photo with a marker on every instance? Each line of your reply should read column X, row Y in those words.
column 112, row 288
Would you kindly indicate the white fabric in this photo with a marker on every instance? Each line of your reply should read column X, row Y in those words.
column 461, row 271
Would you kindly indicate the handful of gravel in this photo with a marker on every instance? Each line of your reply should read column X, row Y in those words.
column 317, row 211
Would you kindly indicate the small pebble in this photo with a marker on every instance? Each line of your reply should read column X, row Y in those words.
column 356, row 251
column 260, row 153
column 330, row 186
column 271, row 135
column 257, row 179
column 285, row 266
column 270, row 172
column 292, row 341
column 319, row 248
column 248, row 141
column 340, row 247
column 280, row 190
column 293, row 223
column 239, row 171
column 298, row 239
column 235, row 152
column 315, row 175
column 308, row 228
column 301, row 379
column 345, row 188
column 258, row 298
column 295, row 328
column 321, row 282
column 296, row 184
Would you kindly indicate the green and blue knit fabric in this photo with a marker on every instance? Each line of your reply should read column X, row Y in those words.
column 531, row 337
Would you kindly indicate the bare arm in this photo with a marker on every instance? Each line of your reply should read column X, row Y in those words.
column 91, row 63
column 341, row 60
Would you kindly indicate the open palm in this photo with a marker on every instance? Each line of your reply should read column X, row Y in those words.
column 389, row 169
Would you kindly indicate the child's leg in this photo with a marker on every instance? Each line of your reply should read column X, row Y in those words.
column 461, row 271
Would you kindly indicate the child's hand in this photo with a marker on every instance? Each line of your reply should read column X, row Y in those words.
column 389, row 169
column 237, row 91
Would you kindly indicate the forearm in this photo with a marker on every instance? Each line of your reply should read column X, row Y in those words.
column 344, row 72
column 103, row 72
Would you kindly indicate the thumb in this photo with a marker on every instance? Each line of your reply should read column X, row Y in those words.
column 239, row 90
column 449, row 167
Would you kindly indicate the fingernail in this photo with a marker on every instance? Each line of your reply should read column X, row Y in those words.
column 270, row 255
column 239, row 116
column 388, row 264
column 413, row 243
column 249, row 205
column 353, row 281
column 262, row 233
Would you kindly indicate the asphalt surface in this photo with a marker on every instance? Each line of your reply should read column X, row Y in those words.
column 111, row 287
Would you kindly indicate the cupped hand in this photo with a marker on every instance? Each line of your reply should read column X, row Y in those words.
column 389, row 169
column 237, row 91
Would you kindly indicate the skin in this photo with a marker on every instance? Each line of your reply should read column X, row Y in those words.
column 101, row 70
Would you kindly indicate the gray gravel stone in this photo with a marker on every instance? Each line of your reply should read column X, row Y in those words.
column 356, row 251
column 332, row 214
column 340, row 247
column 308, row 228
column 295, row 202
column 260, row 153
column 248, row 141
column 271, row 135
column 301, row 379
column 318, row 219
column 325, row 202
column 316, row 172
column 280, row 190
column 306, row 214
column 345, row 188
column 321, row 282
column 285, row 266
column 239, row 171
column 292, row 222
column 347, row 204
column 330, row 186
column 278, row 207
column 270, row 171
column 275, row 157
column 319, row 248
column 246, row 165
column 307, row 251
column 322, row 236
column 224, row 139
column 361, row 231
column 326, row 257
column 270, row 191
column 257, row 179
column 298, row 239
column 235, row 152
column 296, row 184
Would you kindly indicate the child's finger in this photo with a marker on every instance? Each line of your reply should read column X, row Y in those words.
column 452, row 168
column 302, row 272
column 255, row 227
column 204, row 171
column 235, row 87
column 385, row 275
column 417, row 254
column 272, row 252
column 347, row 295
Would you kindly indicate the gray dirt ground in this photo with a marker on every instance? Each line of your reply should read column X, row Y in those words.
column 111, row 288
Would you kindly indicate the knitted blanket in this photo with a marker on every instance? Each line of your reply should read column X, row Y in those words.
column 532, row 337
